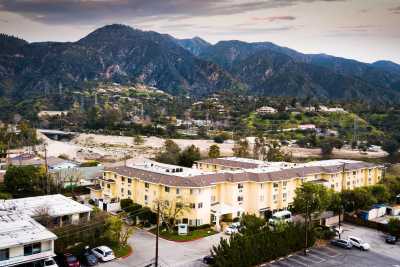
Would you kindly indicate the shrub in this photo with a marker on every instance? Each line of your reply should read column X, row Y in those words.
column 219, row 139
column 91, row 163
column 265, row 245
column 323, row 232
column 132, row 208
column 126, row 203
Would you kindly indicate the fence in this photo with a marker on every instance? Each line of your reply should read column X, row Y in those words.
column 370, row 224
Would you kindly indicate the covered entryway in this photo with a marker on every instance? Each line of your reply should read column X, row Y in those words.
column 220, row 210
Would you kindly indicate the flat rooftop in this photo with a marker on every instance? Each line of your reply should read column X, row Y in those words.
column 246, row 163
column 19, row 229
column 55, row 205
column 162, row 168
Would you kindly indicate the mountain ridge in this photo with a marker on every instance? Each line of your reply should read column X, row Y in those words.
column 193, row 67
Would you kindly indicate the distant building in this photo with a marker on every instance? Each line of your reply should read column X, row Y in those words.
column 52, row 113
column 331, row 110
column 266, row 110
column 307, row 127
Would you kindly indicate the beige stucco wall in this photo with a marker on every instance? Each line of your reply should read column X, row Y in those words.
column 275, row 195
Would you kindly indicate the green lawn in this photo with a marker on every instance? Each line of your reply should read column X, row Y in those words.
column 192, row 235
column 121, row 251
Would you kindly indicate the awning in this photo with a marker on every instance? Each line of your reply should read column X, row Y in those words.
column 222, row 209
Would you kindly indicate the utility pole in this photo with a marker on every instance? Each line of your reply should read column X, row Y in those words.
column 157, row 233
column 340, row 204
column 306, row 229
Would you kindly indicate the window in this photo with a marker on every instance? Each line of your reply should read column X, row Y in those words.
column 284, row 195
column 122, row 190
column 146, row 185
column 177, row 191
column 200, row 205
column 240, row 186
column 285, row 183
column 129, row 192
column 192, row 205
column 145, row 197
column 123, row 179
column 191, row 191
column 129, row 180
column 4, row 254
column 276, row 185
column 213, row 199
column 166, row 189
column 240, row 198
column 261, row 186
column 354, row 172
column 108, row 186
column 32, row 249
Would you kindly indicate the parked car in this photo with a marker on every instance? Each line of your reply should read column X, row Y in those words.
column 232, row 229
column 70, row 260
column 104, row 253
column 359, row 243
column 209, row 260
column 391, row 239
column 343, row 243
column 50, row 262
column 89, row 259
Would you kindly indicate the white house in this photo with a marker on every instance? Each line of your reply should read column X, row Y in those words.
column 60, row 208
column 266, row 110
column 23, row 240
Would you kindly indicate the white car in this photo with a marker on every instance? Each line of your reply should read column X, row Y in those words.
column 104, row 253
column 232, row 229
column 357, row 242
column 50, row 262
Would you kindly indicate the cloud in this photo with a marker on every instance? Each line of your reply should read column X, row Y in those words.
column 273, row 18
column 395, row 10
column 100, row 11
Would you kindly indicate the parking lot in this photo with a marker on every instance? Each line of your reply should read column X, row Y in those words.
column 190, row 254
column 332, row 256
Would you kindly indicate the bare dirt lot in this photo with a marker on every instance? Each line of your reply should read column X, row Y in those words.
column 114, row 148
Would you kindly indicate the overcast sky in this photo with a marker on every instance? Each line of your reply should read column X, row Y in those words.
column 366, row 30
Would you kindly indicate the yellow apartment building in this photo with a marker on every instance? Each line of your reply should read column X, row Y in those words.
column 225, row 188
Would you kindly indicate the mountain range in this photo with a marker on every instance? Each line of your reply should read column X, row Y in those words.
column 193, row 67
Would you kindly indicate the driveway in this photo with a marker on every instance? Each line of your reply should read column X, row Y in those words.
column 375, row 238
column 171, row 254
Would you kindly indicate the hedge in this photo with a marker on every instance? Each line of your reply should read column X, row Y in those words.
column 266, row 245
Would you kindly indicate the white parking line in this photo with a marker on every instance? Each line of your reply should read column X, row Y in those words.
column 298, row 262
column 308, row 259
column 325, row 254
column 315, row 255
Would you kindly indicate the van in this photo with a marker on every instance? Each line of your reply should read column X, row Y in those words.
column 281, row 216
